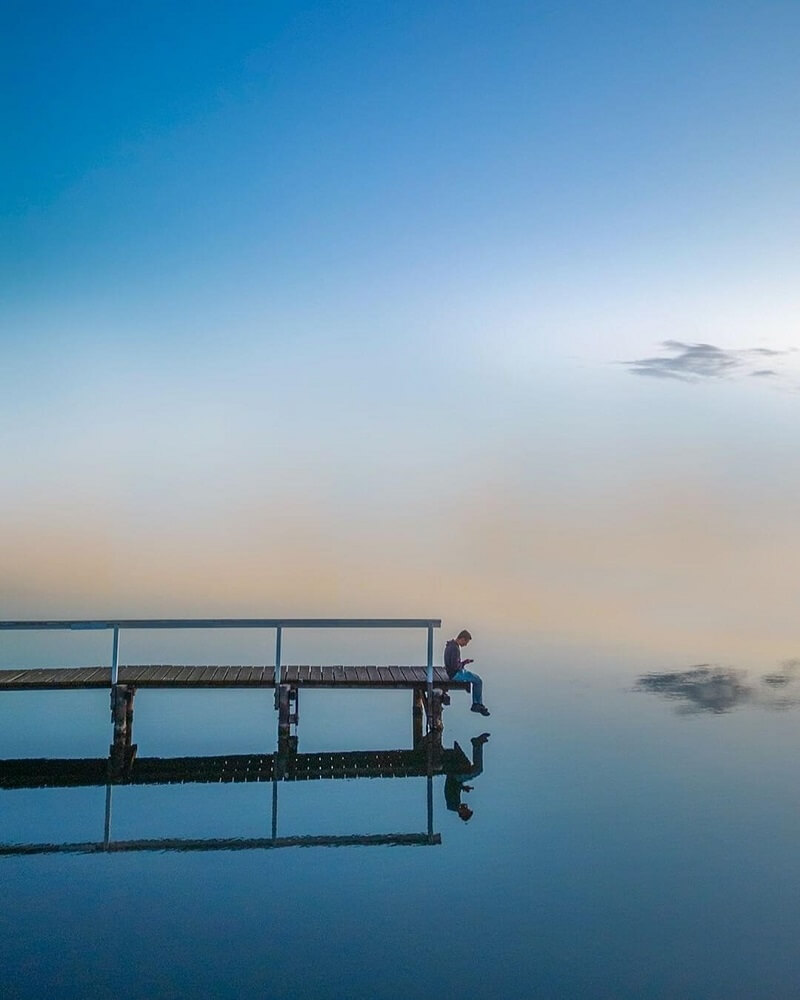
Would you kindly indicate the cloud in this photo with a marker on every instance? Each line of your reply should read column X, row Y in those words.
column 703, row 362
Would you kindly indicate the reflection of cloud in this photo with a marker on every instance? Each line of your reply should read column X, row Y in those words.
column 701, row 689
column 719, row 689
column 699, row 362
column 790, row 669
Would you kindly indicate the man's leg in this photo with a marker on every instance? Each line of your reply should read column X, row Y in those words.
column 474, row 681
column 477, row 754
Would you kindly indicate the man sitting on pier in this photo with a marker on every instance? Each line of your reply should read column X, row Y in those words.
column 454, row 666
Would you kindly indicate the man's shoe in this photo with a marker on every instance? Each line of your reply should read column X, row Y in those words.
column 480, row 708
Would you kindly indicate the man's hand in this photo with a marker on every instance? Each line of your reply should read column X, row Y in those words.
column 465, row 662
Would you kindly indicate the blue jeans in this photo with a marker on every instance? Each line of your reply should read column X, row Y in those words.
column 475, row 681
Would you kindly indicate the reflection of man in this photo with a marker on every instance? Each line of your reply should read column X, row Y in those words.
column 454, row 666
column 455, row 784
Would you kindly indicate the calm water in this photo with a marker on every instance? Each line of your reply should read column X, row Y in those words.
column 634, row 834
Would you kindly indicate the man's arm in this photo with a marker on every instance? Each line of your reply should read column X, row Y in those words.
column 452, row 658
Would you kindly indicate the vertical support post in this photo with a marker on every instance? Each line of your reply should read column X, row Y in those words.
column 416, row 717
column 277, row 666
column 115, row 657
column 277, row 657
column 284, row 720
column 429, row 676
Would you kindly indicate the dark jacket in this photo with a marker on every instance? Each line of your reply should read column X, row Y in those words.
column 452, row 657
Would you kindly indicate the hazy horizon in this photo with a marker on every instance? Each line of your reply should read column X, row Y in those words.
column 486, row 312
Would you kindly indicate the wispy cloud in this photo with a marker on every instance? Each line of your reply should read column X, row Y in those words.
column 701, row 362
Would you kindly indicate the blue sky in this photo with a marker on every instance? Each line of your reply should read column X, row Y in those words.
column 299, row 296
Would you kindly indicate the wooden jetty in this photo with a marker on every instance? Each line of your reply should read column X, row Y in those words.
column 428, row 684
column 184, row 676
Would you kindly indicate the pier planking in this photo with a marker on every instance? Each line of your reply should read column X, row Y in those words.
column 235, row 676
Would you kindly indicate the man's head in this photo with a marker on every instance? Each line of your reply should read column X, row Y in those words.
column 465, row 812
column 463, row 637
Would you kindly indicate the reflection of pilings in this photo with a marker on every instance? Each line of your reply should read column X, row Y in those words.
column 122, row 750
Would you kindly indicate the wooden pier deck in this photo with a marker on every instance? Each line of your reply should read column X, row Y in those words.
column 185, row 676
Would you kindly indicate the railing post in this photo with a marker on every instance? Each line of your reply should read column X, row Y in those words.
column 430, row 673
column 115, row 657
column 277, row 656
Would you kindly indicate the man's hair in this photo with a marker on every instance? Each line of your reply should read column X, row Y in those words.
column 463, row 634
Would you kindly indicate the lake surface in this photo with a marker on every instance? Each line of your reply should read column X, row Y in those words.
column 634, row 834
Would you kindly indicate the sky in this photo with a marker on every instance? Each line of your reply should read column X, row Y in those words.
column 481, row 311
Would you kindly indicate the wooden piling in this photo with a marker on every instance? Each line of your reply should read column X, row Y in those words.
column 417, row 709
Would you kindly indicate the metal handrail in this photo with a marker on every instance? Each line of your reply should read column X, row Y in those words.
column 105, row 623
column 277, row 623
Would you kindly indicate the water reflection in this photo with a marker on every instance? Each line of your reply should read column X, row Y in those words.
column 455, row 784
column 428, row 758
column 710, row 688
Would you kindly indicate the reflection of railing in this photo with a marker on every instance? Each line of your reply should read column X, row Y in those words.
column 122, row 767
column 427, row 758
column 244, row 844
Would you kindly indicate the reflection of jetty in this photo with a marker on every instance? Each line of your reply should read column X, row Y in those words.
column 123, row 767
column 233, row 768
column 426, row 758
